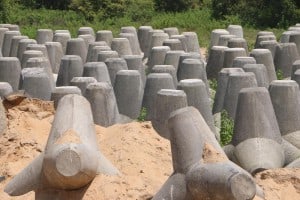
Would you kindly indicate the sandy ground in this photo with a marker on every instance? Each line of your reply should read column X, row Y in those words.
column 141, row 155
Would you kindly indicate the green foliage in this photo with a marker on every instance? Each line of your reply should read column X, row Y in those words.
column 213, row 84
column 176, row 5
column 143, row 115
column 279, row 74
column 226, row 131
column 260, row 13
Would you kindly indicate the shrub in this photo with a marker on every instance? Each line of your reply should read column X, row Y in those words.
column 226, row 131
column 176, row 5
column 143, row 115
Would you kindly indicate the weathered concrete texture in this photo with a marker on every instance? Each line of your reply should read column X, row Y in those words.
column 135, row 62
column 71, row 66
column 129, row 92
column 143, row 32
column 220, row 181
column 285, row 36
column 133, row 41
column 82, row 83
column 41, row 62
column 15, row 45
column 166, row 69
column 85, row 31
column 30, row 54
column 236, row 30
column 258, row 154
column 192, row 42
column 105, row 35
column 122, row 46
column 295, row 67
column 238, row 43
column 271, row 45
column 264, row 56
column 172, row 58
column 255, row 116
column 261, row 33
column 195, row 90
column 97, row 70
column 8, row 35
column 88, row 39
column 236, row 82
column 223, row 40
column 38, row 47
column 103, row 55
column 296, row 76
column 286, row 54
column 148, row 46
column 215, row 61
column 167, row 101
column 285, row 98
column 173, row 188
column 55, row 54
column 214, row 36
column 174, row 44
column 10, row 71
column 2, row 32
column 222, row 87
column 36, row 83
column 5, row 89
column 182, row 39
column 76, row 46
column 92, row 56
column 44, row 35
column 263, row 38
column 23, row 43
column 67, row 166
column 207, row 179
column 294, row 164
column 157, row 56
column 293, row 138
column 157, row 40
column 63, row 38
column 59, row 92
column 93, row 53
column 291, row 153
column 171, row 31
column 192, row 69
column 103, row 103
column 230, row 54
column 154, row 83
column 239, row 62
column 113, row 66
column 260, row 72
column 295, row 38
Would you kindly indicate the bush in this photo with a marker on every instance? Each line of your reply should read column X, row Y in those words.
column 226, row 131
column 176, row 5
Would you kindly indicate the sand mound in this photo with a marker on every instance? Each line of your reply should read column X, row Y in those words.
column 140, row 154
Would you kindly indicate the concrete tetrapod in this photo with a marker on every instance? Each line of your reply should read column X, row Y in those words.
column 77, row 46
column 174, row 44
column 2, row 32
column 82, row 83
column 71, row 66
column 59, row 92
column 286, row 54
column 236, row 30
column 215, row 61
column 285, row 98
column 92, row 56
column 271, row 45
column 230, row 54
column 172, row 58
column 135, row 62
column 15, row 45
column 260, row 72
column 166, row 69
column 85, row 31
column 182, row 39
column 256, row 134
column 171, row 31
column 157, row 56
column 215, row 35
column 129, row 92
column 295, row 67
column 264, row 56
column 223, row 40
column 5, row 89
column 154, row 83
column 143, row 36
column 113, row 66
column 192, row 43
column 8, row 35
column 88, row 39
column 239, row 62
column 104, row 35
column 167, row 101
column 261, row 33
column 55, row 53
column 196, row 93
column 62, row 38
column 222, row 87
column 122, row 46
column 236, row 82
column 103, row 55
column 238, row 43
column 103, row 103
column 98, row 70
column 71, row 158
column 10, row 71
column 23, row 43
column 44, row 35
column 211, row 178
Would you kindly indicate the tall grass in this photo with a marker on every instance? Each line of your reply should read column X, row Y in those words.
column 198, row 20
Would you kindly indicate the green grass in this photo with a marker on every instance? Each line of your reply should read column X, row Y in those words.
column 199, row 21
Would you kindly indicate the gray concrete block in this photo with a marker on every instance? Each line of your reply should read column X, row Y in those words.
column 10, row 71
column 44, row 35
column 97, row 70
